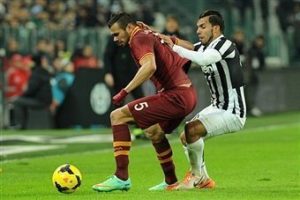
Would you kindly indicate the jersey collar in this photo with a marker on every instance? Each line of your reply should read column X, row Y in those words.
column 215, row 41
column 135, row 30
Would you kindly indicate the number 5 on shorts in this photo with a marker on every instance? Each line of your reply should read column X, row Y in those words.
column 141, row 106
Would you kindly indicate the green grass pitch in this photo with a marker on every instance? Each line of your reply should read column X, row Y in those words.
column 260, row 162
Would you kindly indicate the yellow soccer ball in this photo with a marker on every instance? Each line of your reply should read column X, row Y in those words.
column 66, row 178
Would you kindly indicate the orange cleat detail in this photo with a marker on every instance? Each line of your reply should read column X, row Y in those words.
column 191, row 181
column 206, row 184
column 172, row 187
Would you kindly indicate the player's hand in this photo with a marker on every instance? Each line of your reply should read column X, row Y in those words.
column 166, row 39
column 118, row 98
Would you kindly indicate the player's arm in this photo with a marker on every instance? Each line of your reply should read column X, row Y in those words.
column 147, row 69
column 183, row 43
column 186, row 50
column 171, row 40
column 143, row 50
column 207, row 57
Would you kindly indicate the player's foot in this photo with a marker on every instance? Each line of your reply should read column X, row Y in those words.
column 111, row 184
column 206, row 184
column 191, row 181
column 163, row 186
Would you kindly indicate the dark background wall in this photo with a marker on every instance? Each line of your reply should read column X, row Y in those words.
column 278, row 91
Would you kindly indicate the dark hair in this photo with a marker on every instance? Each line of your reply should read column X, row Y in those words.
column 123, row 19
column 215, row 18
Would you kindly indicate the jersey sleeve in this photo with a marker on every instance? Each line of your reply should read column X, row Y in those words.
column 207, row 57
column 142, row 46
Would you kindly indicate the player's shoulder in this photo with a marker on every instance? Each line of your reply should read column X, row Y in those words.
column 221, row 41
column 143, row 35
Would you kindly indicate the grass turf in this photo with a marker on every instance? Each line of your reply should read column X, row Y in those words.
column 260, row 162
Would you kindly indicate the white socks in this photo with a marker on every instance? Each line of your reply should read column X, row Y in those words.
column 194, row 153
column 186, row 152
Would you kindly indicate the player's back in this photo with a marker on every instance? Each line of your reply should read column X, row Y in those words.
column 169, row 73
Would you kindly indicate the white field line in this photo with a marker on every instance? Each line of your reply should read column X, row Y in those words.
column 95, row 138
column 13, row 149
column 246, row 131
column 272, row 127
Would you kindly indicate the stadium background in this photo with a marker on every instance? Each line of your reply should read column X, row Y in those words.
column 260, row 162
column 82, row 23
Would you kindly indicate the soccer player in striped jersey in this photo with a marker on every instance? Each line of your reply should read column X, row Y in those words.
column 219, row 60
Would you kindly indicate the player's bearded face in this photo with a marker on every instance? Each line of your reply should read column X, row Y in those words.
column 205, row 31
column 121, row 36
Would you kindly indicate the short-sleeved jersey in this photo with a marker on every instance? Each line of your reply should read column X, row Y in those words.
column 169, row 73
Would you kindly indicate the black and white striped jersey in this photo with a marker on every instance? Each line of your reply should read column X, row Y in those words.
column 221, row 65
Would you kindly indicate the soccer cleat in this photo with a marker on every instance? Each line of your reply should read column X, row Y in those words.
column 206, row 184
column 191, row 181
column 111, row 184
column 163, row 186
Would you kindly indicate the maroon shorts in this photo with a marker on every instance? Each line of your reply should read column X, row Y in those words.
column 167, row 108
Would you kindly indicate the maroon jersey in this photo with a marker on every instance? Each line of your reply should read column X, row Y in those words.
column 169, row 73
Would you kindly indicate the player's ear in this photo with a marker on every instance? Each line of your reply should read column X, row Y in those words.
column 130, row 27
column 216, row 29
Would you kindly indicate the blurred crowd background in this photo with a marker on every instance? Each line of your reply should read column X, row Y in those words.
column 65, row 36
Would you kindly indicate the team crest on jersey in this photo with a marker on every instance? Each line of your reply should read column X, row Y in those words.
column 207, row 69
column 100, row 98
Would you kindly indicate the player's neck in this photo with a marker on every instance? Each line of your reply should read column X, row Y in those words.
column 133, row 31
column 212, row 39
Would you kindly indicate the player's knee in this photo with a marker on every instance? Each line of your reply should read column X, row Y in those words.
column 156, row 138
column 155, row 134
column 115, row 116
column 149, row 134
column 193, row 130
column 188, row 129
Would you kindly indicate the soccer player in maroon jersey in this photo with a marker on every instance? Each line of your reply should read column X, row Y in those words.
column 158, row 114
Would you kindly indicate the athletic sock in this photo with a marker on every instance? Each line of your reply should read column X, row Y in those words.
column 186, row 153
column 121, row 144
column 164, row 155
column 195, row 152
column 204, row 173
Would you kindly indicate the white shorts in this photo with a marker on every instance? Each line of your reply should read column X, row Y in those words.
column 217, row 121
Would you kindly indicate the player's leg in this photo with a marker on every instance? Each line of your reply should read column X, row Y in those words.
column 121, row 143
column 208, row 123
column 194, row 132
column 121, row 140
column 193, row 145
column 192, row 138
column 164, row 155
column 194, row 151
column 168, row 108
column 138, row 132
